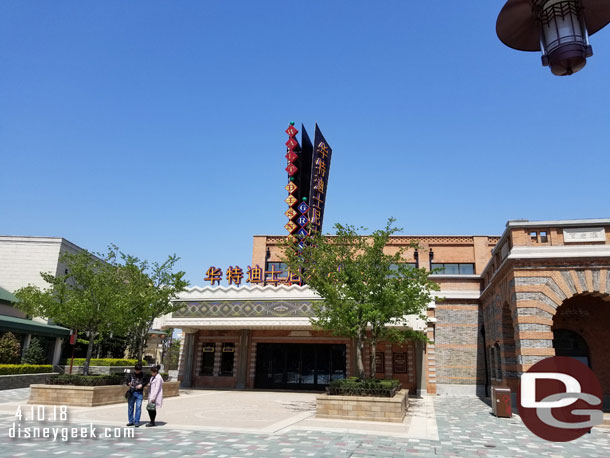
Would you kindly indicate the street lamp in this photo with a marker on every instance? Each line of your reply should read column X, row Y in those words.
column 558, row 28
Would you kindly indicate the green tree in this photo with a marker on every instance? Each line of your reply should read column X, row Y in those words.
column 149, row 289
column 34, row 354
column 172, row 354
column 367, row 294
column 10, row 349
column 86, row 298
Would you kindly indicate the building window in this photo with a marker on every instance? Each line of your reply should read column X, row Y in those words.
column 280, row 268
column 228, row 359
column 380, row 363
column 413, row 265
column 452, row 268
column 394, row 267
column 539, row 236
column 207, row 359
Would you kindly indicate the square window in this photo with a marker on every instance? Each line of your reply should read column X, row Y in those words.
column 452, row 269
column 434, row 266
column 534, row 236
column 466, row 269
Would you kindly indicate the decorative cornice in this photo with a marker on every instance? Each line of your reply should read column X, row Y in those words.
column 559, row 223
column 562, row 251
column 241, row 293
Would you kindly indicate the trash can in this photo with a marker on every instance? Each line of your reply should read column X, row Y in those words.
column 501, row 401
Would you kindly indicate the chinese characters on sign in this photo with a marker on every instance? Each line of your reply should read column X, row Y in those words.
column 254, row 275
column 319, row 180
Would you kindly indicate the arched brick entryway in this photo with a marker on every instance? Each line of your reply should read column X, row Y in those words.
column 581, row 328
column 575, row 300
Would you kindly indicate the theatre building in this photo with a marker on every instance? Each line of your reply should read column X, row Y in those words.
column 542, row 288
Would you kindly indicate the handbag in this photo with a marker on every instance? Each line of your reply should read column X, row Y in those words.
column 128, row 393
column 151, row 405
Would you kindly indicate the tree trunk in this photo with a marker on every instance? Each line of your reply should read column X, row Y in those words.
column 373, row 356
column 359, row 356
column 89, row 352
column 140, row 347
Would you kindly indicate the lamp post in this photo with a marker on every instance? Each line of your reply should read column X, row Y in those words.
column 558, row 28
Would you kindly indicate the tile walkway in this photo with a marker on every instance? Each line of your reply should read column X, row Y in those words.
column 465, row 428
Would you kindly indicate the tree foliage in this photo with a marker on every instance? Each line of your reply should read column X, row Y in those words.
column 104, row 295
column 10, row 349
column 149, row 290
column 367, row 292
column 34, row 354
column 86, row 298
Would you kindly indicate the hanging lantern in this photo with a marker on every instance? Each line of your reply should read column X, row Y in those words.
column 558, row 28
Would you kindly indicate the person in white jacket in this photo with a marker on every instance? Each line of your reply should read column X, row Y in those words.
column 155, row 394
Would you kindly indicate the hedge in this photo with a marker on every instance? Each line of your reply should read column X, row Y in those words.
column 12, row 369
column 91, row 380
column 103, row 362
column 87, row 380
column 369, row 387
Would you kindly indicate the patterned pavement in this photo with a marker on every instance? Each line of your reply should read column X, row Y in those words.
column 465, row 425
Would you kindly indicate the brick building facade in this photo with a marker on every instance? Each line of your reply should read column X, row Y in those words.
column 505, row 302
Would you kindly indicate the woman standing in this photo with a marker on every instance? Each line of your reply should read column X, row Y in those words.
column 155, row 394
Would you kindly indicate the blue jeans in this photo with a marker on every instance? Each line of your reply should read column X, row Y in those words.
column 135, row 398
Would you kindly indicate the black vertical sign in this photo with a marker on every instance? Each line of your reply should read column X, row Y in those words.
column 320, row 169
column 305, row 161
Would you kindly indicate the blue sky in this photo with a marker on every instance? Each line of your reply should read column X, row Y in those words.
column 159, row 126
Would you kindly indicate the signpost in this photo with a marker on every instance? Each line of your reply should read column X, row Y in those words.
column 73, row 338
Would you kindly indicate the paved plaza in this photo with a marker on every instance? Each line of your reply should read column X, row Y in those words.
column 282, row 424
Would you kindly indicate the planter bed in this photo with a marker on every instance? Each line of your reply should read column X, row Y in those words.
column 9, row 382
column 365, row 408
column 89, row 396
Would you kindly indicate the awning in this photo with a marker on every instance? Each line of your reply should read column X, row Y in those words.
column 6, row 296
column 23, row 326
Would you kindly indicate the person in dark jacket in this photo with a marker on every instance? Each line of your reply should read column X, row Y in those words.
column 136, row 382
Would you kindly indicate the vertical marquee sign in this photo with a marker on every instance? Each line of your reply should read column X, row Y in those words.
column 308, row 167
column 292, row 155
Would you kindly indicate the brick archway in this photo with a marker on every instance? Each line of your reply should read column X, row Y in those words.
column 544, row 300
column 583, row 320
